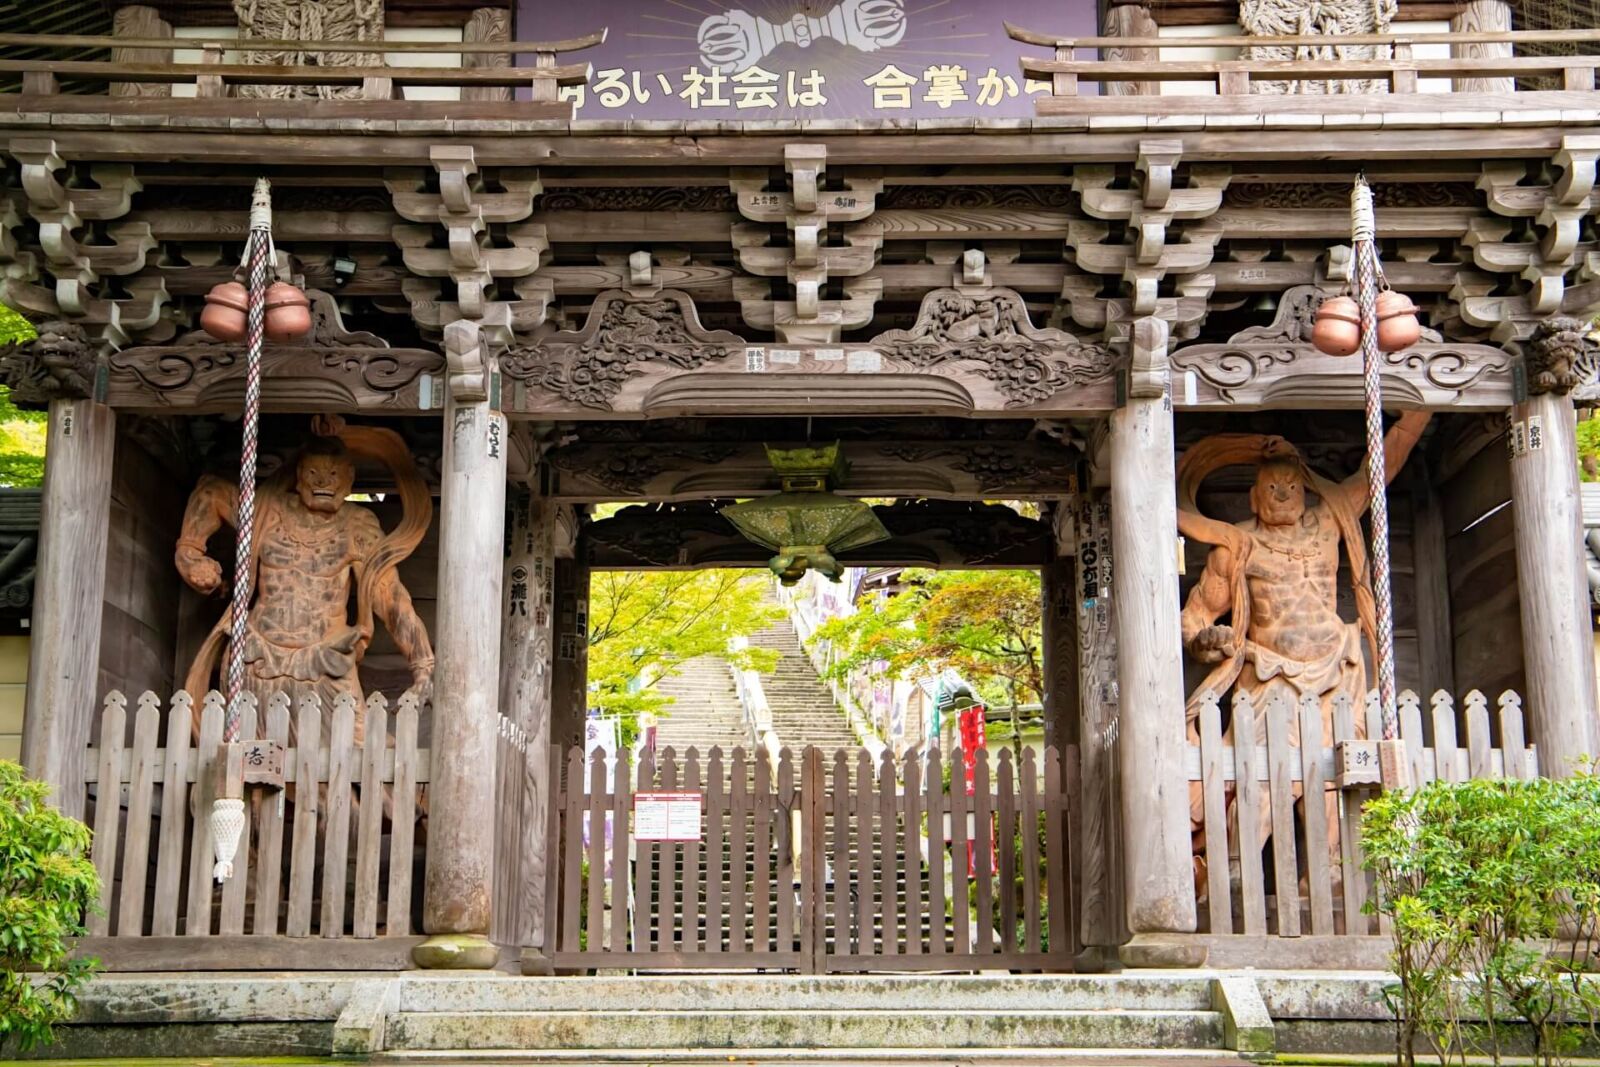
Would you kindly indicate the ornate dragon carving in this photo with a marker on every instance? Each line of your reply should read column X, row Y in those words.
column 57, row 364
column 1300, row 195
column 590, row 366
column 629, row 470
column 1026, row 364
column 1560, row 355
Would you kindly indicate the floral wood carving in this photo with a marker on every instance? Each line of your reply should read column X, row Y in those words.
column 197, row 360
column 1254, row 359
column 57, row 364
column 629, row 470
column 1026, row 364
column 590, row 366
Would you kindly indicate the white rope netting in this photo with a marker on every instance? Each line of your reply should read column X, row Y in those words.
column 1322, row 18
column 309, row 20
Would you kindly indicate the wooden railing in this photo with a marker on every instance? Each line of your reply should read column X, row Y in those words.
column 1248, row 799
column 296, row 878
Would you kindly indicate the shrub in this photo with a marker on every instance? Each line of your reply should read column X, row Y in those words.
column 47, row 885
column 1492, row 892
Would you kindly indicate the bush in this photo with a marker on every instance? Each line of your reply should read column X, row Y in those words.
column 47, row 885
column 1492, row 892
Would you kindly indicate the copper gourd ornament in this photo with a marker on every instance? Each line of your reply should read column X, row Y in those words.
column 288, row 312
column 224, row 314
column 1398, row 328
column 1337, row 328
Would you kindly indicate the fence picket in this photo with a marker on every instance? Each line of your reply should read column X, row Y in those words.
column 1280, row 785
column 572, row 849
column 108, row 807
column 1061, row 911
column 1512, row 737
column 269, row 828
column 230, row 920
column 1316, row 803
column 402, row 826
column 1071, row 919
column 961, row 857
column 1214, row 807
column 369, row 822
column 643, row 872
column 887, row 856
column 761, row 801
column 938, row 935
column 1005, row 834
column 1350, row 801
column 983, row 854
column 336, row 845
column 912, row 776
column 866, row 943
column 1446, row 755
column 198, row 923
column 714, row 850
column 1479, row 764
column 783, row 835
column 174, row 816
column 1409, row 714
column 842, row 881
column 621, row 809
column 307, row 799
column 1032, row 927
column 595, row 927
column 1247, row 808
column 738, row 850
column 141, row 796
column 670, row 931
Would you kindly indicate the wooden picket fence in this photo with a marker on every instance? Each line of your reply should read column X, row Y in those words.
column 1251, row 792
column 312, row 862
column 818, row 863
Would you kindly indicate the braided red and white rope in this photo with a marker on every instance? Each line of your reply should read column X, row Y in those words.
column 259, row 255
column 1368, row 281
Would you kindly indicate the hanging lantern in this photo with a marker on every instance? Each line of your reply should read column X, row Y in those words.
column 806, row 524
column 1337, row 329
column 288, row 312
column 1398, row 328
column 224, row 313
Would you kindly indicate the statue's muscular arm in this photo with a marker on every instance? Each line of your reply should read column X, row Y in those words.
column 1397, row 446
column 212, row 503
column 1209, row 600
column 392, row 604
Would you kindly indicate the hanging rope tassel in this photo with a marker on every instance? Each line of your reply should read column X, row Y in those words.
column 227, row 813
column 1368, row 280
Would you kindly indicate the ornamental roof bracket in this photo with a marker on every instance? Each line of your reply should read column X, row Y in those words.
column 809, row 262
column 61, row 213
column 1556, row 207
column 465, row 207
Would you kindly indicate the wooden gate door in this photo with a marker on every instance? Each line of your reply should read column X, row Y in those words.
column 681, row 862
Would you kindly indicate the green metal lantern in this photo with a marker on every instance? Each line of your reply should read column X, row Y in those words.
column 806, row 524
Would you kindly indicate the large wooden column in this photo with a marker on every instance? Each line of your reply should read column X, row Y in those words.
column 455, row 906
column 1557, row 636
column 69, row 589
column 1158, row 884
column 568, row 699
column 1060, row 651
column 526, row 655
column 1480, row 16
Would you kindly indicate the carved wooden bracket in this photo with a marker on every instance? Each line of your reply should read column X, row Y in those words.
column 1276, row 366
column 330, row 369
column 57, row 364
column 1560, row 358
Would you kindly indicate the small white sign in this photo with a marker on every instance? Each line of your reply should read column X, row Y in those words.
column 666, row 816
column 1535, row 432
column 867, row 361
column 755, row 360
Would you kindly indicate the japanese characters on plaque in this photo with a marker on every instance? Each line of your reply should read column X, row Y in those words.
column 768, row 59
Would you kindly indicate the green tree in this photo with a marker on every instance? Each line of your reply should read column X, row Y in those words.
column 643, row 624
column 986, row 625
column 47, row 884
column 21, row 432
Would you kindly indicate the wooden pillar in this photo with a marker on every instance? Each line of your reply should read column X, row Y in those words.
column 1158, row 885
column 568, row 699
column 1480, row 16
column 69, row 589
column 1435, row 636
column 1130, row 20
column 455, row 907
column 140, row 21
column 1100, row 926
column 526, row 654
column 1058, row 580
column 487, row 24
column 1557, row 635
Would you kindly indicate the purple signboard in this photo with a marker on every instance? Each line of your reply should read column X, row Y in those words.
column 783, row 59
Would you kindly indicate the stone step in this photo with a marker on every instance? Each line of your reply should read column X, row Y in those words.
column 766, row 1028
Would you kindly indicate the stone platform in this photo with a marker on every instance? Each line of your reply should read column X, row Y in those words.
column 1215, row 1016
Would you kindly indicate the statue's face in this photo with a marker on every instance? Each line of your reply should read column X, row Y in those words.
column 324, row 481
column 1279, row 496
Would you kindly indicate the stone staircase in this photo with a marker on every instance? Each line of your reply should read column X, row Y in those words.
column 860, row 1018
column 705, row 709
column 803, row 709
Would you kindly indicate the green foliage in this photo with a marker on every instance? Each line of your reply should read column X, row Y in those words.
column 1589, row 449
column 1479, row 880
column 986, row 625
column 47, row 885
column 21, row 432
column 643, row 624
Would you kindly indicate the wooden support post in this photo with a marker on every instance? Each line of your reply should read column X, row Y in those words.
column 1101, row 926
column 1130, row 19
column 1557, row 636
column 140, row 22
column 1476, row 17
column 487, row 24
column 527, row 653
column 1060, row 651
column 1158, row 883
column 68, row 592
column 568, row 697
column 1435, row 639
column 455, row 907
